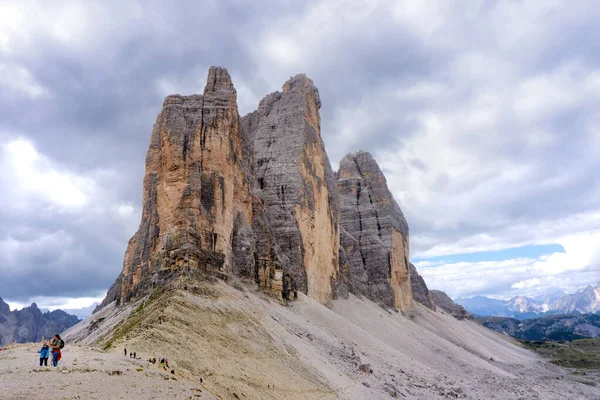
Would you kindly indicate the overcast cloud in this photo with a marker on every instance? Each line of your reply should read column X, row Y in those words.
column 483, row 114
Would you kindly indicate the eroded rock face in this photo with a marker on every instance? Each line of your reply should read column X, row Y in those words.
column 298, row 184
column 420, row 292
column 373, row 234
column 444, row 302
column 201, row 207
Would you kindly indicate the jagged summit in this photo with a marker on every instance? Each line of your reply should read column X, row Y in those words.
column 218, row 79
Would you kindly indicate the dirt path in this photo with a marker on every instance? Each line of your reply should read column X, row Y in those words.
column 85, row 373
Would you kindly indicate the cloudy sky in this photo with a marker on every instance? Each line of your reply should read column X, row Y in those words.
column 484, row 116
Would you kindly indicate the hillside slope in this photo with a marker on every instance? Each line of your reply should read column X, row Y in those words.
column 239, row 341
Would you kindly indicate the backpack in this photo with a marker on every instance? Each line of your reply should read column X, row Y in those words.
column 62, row 343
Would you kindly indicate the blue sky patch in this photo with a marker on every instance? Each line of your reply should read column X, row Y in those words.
column 530, row 251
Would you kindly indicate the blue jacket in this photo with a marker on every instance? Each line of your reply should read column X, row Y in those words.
column 44, row 352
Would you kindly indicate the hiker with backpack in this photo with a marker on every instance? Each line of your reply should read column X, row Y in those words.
column 56, row 344
column 44, row 353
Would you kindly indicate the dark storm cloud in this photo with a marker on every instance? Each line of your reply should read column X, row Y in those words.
column 388, row 74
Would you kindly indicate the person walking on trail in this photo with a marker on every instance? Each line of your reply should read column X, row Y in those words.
column 125, row 352
column 44, row 353
column 55, row 346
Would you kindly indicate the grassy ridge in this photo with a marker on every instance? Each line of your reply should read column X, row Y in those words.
column 582, row 353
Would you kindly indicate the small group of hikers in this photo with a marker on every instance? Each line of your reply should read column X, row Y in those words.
column 131, row 355
column 54, row 348
column 164, row 363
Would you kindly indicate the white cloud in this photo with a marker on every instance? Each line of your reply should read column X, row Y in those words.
column 33, row 181
column 16, row 79
column 578, row 266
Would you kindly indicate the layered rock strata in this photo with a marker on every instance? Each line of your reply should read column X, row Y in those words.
column 373, row 234
column 420, row 292
column 202, row 210
column 298, row 184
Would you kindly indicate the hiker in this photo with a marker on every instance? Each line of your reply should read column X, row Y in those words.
column 55, row 346
column 44, row 353
column 167, row 363
column 125, row 352
column 134, row 355
column 162, row 363
column 130, row 355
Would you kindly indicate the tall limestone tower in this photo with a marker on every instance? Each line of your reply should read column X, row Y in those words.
column 256, row 198
column 374, row 234
column 299, row 186
column 201, row 207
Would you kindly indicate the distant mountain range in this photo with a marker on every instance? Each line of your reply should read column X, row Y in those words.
column 30, row 324
column 81, row 313
column 584, row 301
column 553, row 327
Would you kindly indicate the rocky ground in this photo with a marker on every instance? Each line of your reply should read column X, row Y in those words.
column 246, row 345
column 86, row 373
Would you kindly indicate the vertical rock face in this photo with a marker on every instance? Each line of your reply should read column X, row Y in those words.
column 256, row 197
column 298, row 184
column 200, row 209
column 420, row 292
column 373, row 234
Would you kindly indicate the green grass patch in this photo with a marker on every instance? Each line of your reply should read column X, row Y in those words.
column 581, row 353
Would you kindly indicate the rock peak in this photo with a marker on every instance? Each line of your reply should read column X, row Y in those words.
column 300, row 83
column 218, row 79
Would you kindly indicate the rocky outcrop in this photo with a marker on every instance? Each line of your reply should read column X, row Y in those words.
column 444, row 302
column 4, row 308
column 202, row 211
column 420, row 292
column 30, row 324
column 256, row 198
column 298, row 184
column 373, row 234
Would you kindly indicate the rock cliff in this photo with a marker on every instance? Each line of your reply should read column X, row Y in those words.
column 373, row 234
column 420, row 292
column 202, row 211
column 298, row 184
column 444, row 302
